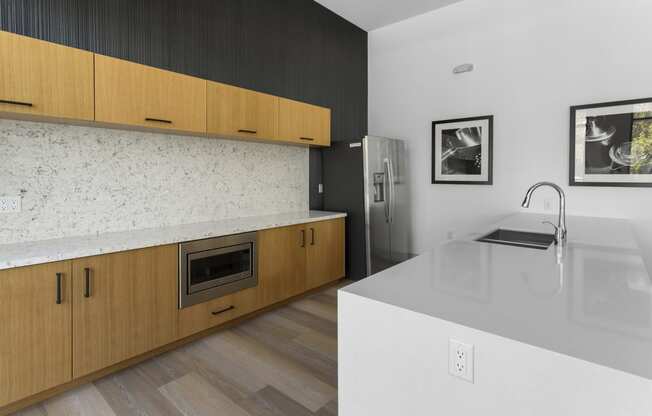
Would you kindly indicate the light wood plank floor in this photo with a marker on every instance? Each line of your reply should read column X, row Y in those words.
column 281, row 363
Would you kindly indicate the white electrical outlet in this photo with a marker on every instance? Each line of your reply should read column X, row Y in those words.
column 460, row 360
column 9, row 204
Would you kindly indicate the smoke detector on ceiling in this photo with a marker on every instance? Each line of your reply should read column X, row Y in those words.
column 460, row 69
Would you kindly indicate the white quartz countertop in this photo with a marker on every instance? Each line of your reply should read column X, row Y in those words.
column 593, row 303
column 29, row 253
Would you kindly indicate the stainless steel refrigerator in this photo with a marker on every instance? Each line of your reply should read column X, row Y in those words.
column 368, row 180
column 386, row 196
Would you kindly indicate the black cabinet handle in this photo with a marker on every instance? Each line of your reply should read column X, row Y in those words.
column 87, row 282
column 303, row 238
column 247, row 131
column 23, row 103
column 159, row 120
column 59, row 283
column 310, row 139
column 312, row 236
column 223, row 310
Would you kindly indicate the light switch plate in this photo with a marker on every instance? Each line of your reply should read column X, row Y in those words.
column 9, row 204
column 461, row 360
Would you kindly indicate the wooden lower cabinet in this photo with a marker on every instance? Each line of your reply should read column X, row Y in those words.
column 35, row 331
column 325, row 252
column 299, row 258
column 124, row 304
column 281, row 263
column 62, row 321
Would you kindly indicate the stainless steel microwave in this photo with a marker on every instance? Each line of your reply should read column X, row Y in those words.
column 215, row 267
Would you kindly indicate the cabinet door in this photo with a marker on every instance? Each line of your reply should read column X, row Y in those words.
column 325, row 252
column 44, row 79
column 281, row 263
column 237, row 112
column 125, row 304
column 304, row 123
column 35, row 330
column 132, row 94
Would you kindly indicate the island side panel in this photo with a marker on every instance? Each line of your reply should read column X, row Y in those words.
column 394, row 361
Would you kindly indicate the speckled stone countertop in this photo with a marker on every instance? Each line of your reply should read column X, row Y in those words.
column 29, row 253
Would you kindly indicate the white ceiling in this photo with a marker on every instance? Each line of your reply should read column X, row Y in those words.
column 372, row 14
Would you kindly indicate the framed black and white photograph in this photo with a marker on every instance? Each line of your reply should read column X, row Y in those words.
column 462, row 151
column 611, row 144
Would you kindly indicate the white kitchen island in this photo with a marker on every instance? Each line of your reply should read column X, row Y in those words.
column 551, row 336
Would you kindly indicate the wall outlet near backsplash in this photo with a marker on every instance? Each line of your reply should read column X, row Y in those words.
column 9, row 204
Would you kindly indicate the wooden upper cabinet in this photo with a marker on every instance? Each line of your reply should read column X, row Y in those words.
column 325, row 251
column 35, row 330
column 137, row 95
column 124, row 305
column 304, row 123
column 237, row 112
column 45, row 79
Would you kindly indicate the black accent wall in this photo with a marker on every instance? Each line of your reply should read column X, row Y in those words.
column 291, row 48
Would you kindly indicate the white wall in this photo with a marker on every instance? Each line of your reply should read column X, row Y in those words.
column 534, row 59
column 86, row 180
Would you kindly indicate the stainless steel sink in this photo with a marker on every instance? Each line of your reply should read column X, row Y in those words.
column 519, row 239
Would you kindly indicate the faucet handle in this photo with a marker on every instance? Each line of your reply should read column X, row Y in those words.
column 553, row 226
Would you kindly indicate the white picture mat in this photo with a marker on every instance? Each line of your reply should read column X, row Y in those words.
column 484, row 148
column 580, row 141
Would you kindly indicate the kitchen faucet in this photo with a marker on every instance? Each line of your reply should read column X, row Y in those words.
column 560, row 228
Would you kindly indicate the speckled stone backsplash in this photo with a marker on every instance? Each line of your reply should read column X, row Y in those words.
column 86, row 180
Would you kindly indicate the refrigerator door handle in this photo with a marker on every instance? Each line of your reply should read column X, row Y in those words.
column 387, row 189
column 392, row 189
column 389, row 194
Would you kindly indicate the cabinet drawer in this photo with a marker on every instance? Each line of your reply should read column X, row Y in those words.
column 137, row 95
column 237, row 112
column 206, row 315
column 304, row 123
column 44, row 79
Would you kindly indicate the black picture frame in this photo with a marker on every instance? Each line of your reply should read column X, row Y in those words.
column 573, row 162
column 489, row 151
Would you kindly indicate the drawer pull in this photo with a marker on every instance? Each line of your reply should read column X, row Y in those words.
column 59, row 283
column 303, row 238
column 87, row 282
column 159, row 120
column 247, row 131
column 310, row 139
column 223, row 310
column 24, row 104
column 312, row 236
